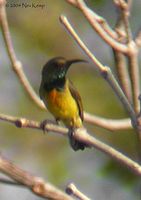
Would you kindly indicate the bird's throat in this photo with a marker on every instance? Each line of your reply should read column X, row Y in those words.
column 58, row 84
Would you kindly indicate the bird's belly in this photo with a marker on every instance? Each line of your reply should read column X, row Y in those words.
column 62, row 105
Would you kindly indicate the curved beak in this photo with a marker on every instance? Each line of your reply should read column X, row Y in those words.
column 70, row 62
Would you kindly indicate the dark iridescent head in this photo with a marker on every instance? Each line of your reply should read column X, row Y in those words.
column 57, row 67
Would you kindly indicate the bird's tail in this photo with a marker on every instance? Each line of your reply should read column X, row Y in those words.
column 75, row 144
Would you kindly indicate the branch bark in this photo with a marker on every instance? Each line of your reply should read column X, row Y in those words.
column 109, row 124
column 130, row 49
column 105, row 71
column 35, row 184
column 81, row 135
column 97, row 27
column 138, row 38
column 72, row 190
column 121, row 60
column 133, row 51
column 18, row 68
column 16, row 64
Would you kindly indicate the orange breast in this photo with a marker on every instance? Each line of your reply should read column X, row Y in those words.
column 63, row 106
column 52, row 96
column 55, row 101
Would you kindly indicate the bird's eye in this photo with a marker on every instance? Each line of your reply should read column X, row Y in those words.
column 61, row 63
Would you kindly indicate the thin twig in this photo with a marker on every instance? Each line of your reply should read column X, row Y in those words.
column 122, row 73
column 72, row 190
column 106, row 73
column 132, row 57
column 35, row 184
column 104, row 70
column 121, row 62
column 81, row 135
column 25, row 123
column 138, row 38
column 135, row 78
column 99, row 29
column 16, row 64
column 22, row 77
column 133, row 51
column 100, row 20
column 109, row 124
column 125, row 13
column 129, row 49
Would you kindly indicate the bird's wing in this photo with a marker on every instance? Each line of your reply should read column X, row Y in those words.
column 77, row 98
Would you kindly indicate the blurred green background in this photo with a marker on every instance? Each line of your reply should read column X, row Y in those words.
column 37, row 36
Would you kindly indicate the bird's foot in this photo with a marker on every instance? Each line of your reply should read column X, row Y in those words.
column 76, row 145
column 57, row 121
column 44, row 123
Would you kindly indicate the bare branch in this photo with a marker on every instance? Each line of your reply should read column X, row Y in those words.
column 35, row 184
column 98, row 28
column 17, row 67
column 70, row 29
column 135, row 77
column 106, row 73
column 104, row 70
column 91, row 141
column 120, row 61
column 99, row 19
column 138, row 38
column 125, row 13
column 133, row 51
column 72, row 190
column 25, row 123
column 80, row 135
column 122, row 72
column 16, row 64
column 124, row 8
column 126, row 49
column 109, row 124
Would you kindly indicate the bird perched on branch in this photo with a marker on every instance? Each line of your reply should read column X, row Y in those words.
column 61, row 98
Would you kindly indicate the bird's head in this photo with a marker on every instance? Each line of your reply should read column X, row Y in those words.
column 57, row 67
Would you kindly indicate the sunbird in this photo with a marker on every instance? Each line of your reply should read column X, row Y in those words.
column 60, row 96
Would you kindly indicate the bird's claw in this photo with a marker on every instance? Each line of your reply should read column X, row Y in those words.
column 43, row 125
column 45, row 122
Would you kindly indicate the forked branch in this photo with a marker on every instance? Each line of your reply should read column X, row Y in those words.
column 17, row 67
column 105, row 71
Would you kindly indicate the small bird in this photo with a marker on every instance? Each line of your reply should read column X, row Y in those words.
column 61, row 98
